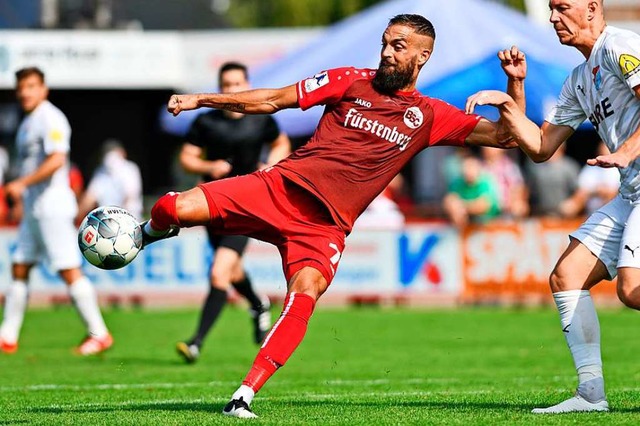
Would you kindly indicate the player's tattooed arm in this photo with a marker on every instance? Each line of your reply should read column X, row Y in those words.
column 259, row 101
column 234, row 107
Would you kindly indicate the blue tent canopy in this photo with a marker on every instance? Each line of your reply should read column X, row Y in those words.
column 469, row 33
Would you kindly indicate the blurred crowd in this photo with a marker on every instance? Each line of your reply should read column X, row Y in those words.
column 499, row 184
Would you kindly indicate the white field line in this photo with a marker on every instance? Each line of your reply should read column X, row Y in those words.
column 295, row 396
column 288, row 397
column 333, row 382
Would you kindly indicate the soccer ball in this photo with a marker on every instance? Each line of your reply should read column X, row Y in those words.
column 109, row 237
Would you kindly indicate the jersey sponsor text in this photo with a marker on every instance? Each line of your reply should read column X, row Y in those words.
column 601, row 111
column 357, row 120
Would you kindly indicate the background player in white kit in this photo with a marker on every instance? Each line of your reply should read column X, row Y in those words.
column 606, row 90
column 116, row 182
column 46, row 230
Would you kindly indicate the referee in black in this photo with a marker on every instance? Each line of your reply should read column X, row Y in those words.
column 222, row 144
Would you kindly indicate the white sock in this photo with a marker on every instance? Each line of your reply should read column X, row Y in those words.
column 86, row 301
column 581, row 328
column 244, row 392
column 149, row 230
column 14, row 307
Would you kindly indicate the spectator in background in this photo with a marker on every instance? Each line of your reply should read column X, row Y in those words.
column 383, row 213
column 513, row 194
column 552, row 183
column 116, row 182
column 596, row 187
column 4, row 169
column 472, row 197
column 76, row 180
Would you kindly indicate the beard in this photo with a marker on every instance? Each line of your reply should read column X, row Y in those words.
column 389, row 79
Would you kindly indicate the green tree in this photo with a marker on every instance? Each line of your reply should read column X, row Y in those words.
column 305, row 13
column 292, row 13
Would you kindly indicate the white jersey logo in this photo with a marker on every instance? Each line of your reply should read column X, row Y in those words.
column 362, row 102
column 358, row 120
column 413, row 117
column 316, row 82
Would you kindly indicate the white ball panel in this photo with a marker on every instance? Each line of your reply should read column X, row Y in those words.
column 104, row 247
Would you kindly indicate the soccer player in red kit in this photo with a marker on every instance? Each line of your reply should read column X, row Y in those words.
column 374, row 122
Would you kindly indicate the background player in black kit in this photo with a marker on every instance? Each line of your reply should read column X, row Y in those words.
column 223, row 144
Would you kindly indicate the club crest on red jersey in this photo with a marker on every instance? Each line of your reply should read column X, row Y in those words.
column 413, row 117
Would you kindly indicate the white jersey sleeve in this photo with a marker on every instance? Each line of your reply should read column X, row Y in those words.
column 624, row 53
column 56, row 132
column 567, row 111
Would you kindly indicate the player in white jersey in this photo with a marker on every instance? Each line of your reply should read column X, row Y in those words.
column 116, row 182
column 46, row 230
column 606, row 90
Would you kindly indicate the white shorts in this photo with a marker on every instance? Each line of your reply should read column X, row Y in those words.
column 612, row 234
column 52, row 239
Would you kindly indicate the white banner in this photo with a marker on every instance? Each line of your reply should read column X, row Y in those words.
column 139, row 60
column 94, row 59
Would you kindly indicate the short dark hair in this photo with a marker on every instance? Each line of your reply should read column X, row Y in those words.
column 23, row 73
column 419, row 23
column 231, row 66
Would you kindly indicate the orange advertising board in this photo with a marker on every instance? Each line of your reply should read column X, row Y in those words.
column 514, row 259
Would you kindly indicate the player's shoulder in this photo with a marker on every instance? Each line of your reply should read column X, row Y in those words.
column 51, row 114
column 615, row 36
column 342, row 75
column 356, row 74
column 48, row 109
column 617, row 41
column 428, row 101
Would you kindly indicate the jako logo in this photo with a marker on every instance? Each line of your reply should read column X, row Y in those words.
column 364, row 103
column 413, row 117
column 357, row 120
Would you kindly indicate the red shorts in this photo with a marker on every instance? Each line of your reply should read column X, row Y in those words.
column 266, row 206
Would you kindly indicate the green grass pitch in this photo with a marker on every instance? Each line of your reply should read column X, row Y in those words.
column 362, row 366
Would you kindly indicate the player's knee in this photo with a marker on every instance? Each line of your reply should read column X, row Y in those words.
column 309, row 281
column 557, row 281
column 220, row 278
column 629, row 295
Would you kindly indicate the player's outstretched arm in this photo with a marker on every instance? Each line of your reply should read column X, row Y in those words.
column 258, row 101
column 626, row 154
column 538, row 143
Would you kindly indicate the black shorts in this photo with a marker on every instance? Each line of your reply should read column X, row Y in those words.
column 236, row 243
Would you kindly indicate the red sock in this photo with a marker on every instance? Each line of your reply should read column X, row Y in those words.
column 164, row 213
column 282, row 340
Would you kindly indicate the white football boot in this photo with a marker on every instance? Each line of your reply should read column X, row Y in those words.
column 593, row 389
column 238, row 408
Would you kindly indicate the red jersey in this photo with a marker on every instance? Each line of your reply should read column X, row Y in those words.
column 365, row 138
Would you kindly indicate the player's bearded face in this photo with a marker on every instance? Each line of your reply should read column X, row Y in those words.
column 392, row 77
